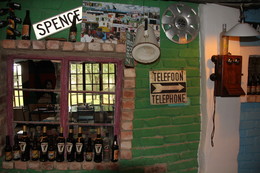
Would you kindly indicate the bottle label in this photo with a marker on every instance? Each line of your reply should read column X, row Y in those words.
column 89, row 156
column 35, row 154
column 16, row 154
column 69, row 146
column 60, row 147
column 8, row 155
column 116, row 153
column 79, row 147
column 22, row 146
column 25, row 30
column 73, row 36
column 258, row 89
column 51, row 155
column 98, row 148
column 44, row 147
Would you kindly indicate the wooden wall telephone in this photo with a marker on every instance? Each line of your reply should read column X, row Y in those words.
column 227, row 76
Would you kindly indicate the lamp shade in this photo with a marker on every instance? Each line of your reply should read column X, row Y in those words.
column 242, row 30
column 145, row 48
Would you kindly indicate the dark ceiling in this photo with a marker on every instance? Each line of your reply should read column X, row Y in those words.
column 247, row 4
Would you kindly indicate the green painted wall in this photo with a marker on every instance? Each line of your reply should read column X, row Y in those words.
column 162, row 133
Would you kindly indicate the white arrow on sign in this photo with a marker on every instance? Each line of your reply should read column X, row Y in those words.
column 159, row 88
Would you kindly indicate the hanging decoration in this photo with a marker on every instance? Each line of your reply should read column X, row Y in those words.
column 180, row 23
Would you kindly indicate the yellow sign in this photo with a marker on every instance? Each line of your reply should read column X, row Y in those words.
column 168, row 87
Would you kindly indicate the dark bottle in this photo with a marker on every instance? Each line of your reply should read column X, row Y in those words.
column 254, row 84
column 70, row 146
column 51, row 150
column 60, row 146
column 14, row 5
column 98, row 146
column 79, row 146
column 35, row 150
column 25, row 145
column 10, row 34
column 106, row 148
column 89, row 150
column 73, row 31
column 115, row 150
column 26, row 29
column 16, row 149
column 8, row 149
column 44, row 146
column 258, row 84
column 249, row 84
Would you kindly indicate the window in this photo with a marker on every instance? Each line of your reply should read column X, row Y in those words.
column 65, row 91
column 18, row 95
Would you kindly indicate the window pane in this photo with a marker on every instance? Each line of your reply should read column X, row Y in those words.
column 105, row 68
column 95, row 68
column 39, row 106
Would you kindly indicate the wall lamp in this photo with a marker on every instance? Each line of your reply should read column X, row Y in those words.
column 242, row 29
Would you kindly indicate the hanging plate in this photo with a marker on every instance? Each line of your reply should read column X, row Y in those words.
column 180, row 23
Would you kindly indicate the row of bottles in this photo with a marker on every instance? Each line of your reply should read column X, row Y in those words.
column 48, row 148
column 253, row 84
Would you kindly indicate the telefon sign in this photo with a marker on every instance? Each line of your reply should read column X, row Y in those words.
column 57, row 23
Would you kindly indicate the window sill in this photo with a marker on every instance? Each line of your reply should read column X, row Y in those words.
column 37, row 165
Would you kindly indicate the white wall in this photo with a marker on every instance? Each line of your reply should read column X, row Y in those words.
column 222, row 158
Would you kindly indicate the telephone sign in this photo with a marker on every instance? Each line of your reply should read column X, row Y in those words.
column 168, row 87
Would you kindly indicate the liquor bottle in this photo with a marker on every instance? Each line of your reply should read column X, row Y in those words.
column 223, row 41
column 35, row 150
column 258, row 84
column 16, row 149
column 79, row 146
column 249, row 84
column 70, row 146
column 89, row 150
column 26, row 29
column 98, row 143
column 44, row 146
column 25, row 145
column 51, row 150
column 106, row 148
column 8, row 149
column 60, row 146
column 254, row 84
column 115, row 150
column 11, row 27
column 73, row 31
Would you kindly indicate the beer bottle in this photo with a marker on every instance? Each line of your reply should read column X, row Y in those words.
column 25, row 145
column 16, row 149
column 79, row 146
column 8, row 149
column 44, row 146
column 60, row 146
column 98, row 143
column 51, row 150
column 115, row 150
column 26, row 29
column 106, row 148
column 73, row 31
column 70, row 146
column 89, row 150
column 35, row 150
